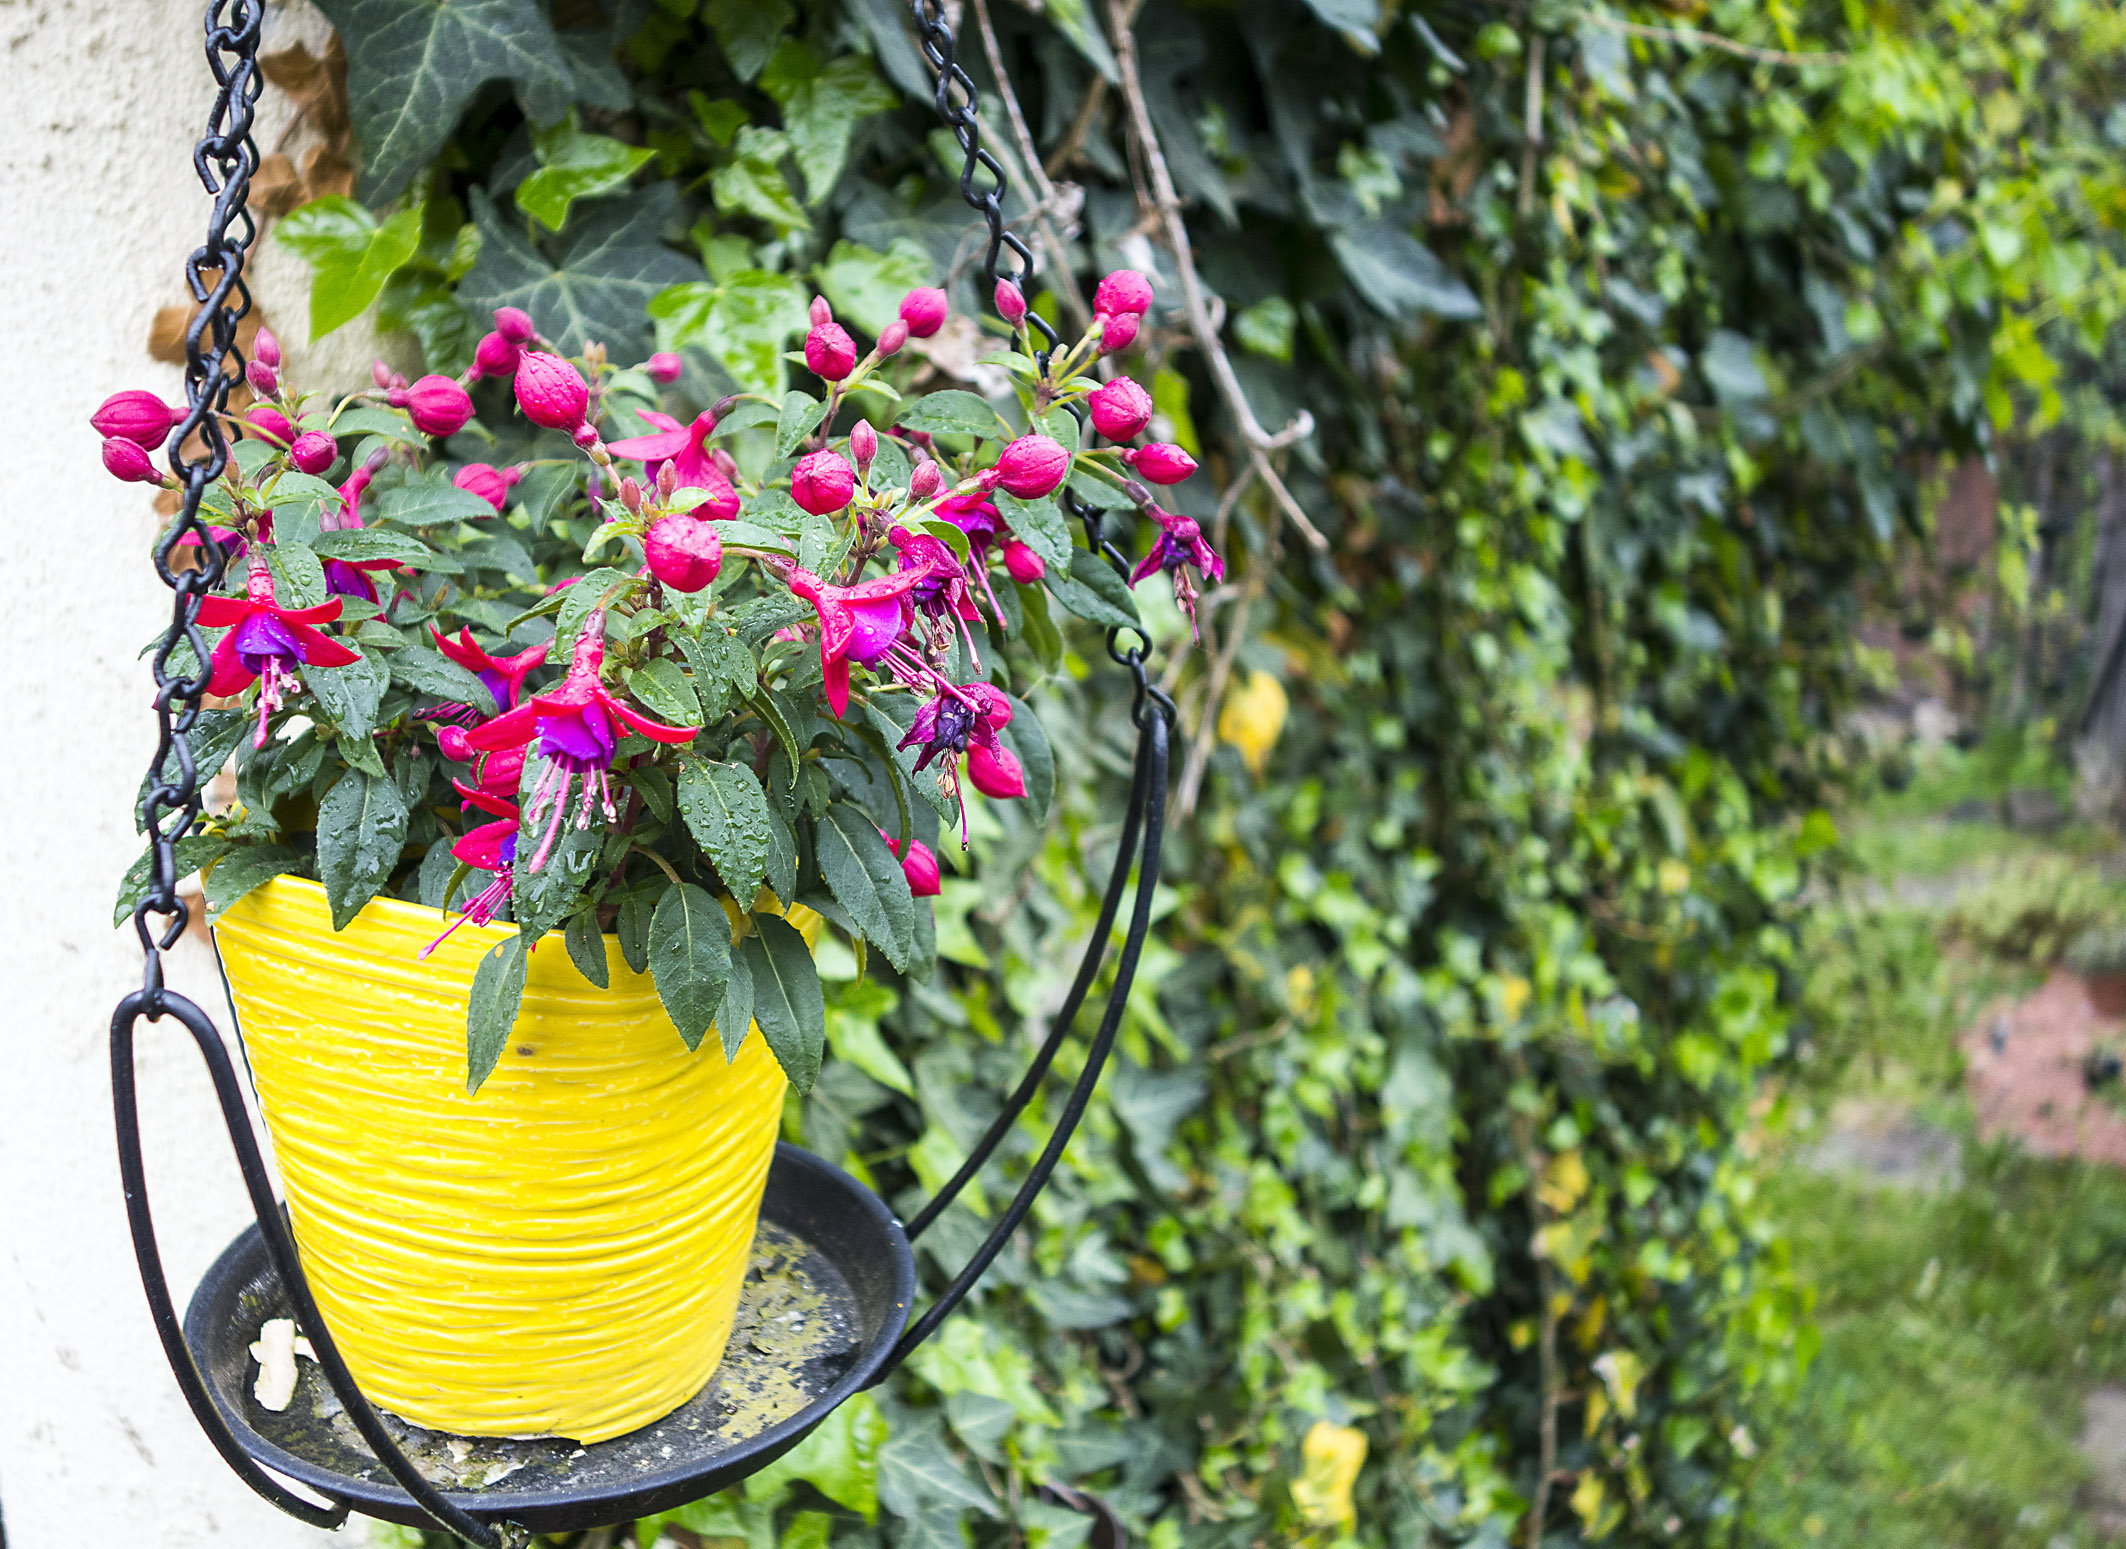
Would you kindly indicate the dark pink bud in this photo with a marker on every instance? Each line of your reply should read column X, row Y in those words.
column 314, row 451
column 1124, row 291
column 1118, row 333
column 631, row 494
column 270, row 422
column 453, row 743
column 1032, row 466
column 863, row 444
column 1162, row 462
column 1023, row 564
column 379, row 373
column 926, row 480
column 585, row 435
column 1011, row 301
column 822, row 314
column 550, row 391
column 495, row 355
column 923, row 310
column 264, row 380
column 136, row 415
column 513, row 324
column 128, row 460
column 725, row 464
column 438, row 405
column 684, row 552
column 1120, row 409
column 995, row 772
column 892, row 338
column 665, row 367
column 829, row 350
column 266, row 348
column 822, row 483
column 919, row 866
column 667, row 479
column 489, row 483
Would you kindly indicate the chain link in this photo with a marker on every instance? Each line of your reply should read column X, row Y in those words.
column 225, row 158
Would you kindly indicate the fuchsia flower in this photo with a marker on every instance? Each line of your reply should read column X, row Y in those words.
column 830, row 352
column 514, row 324
column 266, row 642
column 683, row 552
column 264, row 380
column 822, row 483
column 136, row 415
column 314, row 452
column 686, row 448
column 550, row 391
column 1010, row 301
column 857, row 623
column 495, row 356
column 1022, row 564
column 923, row 310
column 943, row 588
column 1118, row 333
column 1162, row 462
column 1120, row 409
column 573, row 726
column 490, row 483
column 349, row 577
column 1032, row 466
column 920, row 867
column 129, row 460
column 502, row 676
column 266, row 348
column 270, row 423
column 963, row 721
column 1180, row 543
column 665, row 367
column 488, row 847
column 892, row 338
column 438, row 406
column 1123, row 293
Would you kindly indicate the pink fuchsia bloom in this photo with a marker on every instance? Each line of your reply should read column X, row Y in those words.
column 514, row 324
column 573, row 726
column 857, row 623
column 892, row 338
column 495, row 356
column 266, row 348
column 550, row 391
column 136, row 415
column 925, row 480
column 314, row 452
column 1180, row 544
column 264, row 380
column 962, row 721
column 1120, row 409
column 488, row 847
column 266, row 642
column 683, row 551
column 1010, row 301
column 822, row 483
column 269, row 422
column 920, row 866
column 943, row 588
column 974, row 513
column 1124, row 292
column 490, row 483
column 439, row 406
column 1162, row 462
column 1022, row 564
column 1032, row 466
column 665, row 367
column 129, row 460
column 830, row 352
column 863, row 444
column 923, row 310
column 685, row 448
column 502, row 676
column 821, row 311
column 1118, row 333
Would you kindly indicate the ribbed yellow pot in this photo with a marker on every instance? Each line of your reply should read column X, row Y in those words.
column 559, row 1254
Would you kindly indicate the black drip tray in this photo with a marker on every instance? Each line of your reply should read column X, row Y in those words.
column 824, row 1300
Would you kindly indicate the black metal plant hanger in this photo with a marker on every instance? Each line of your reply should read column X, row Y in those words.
column 225, row 159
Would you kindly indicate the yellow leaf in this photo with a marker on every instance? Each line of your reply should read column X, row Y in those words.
column 1674, row 876
column 1332, row 1455
column 1564, row 1182
column 1252, row 717
column 1513, row 995
column 1620, row 1371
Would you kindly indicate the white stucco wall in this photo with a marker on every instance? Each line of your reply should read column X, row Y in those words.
column 102, row 103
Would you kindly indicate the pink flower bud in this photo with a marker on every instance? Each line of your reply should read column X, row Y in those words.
column 863, row 444
column 1124, row 291
column 1011, row 301
column 926, row 480
column 1118, row 333
column 514, row 324
column 891, row 338
column 995, row 773
column 684, row 552
column 923, row 310
column 495, row 355
column 1032, row 466
column 1120, row 409
column 266, row 348
column 1023, row 564
column 667, row 480
column 314, row 451
column 822, row 314
column 920, row 866
column 128, row 460
column 631, row 494
column 1162, row 462
column 550, row 391
column 822, row 483
column 585, row 435
column 136, row 415
column 270, row 422
column 665, row 367
column 397, row 396
column 489, row 483
column 264, row 380
column 379, row 373
column 453, row 743
column 829, row 350
column 438, row 405
column 725, row 464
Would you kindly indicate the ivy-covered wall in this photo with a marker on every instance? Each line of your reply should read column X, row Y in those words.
column 1567, row 378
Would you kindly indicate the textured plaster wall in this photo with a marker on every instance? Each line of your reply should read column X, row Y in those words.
column 103, row 100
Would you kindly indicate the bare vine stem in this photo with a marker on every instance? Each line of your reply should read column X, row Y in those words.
column 1046, row 203
column 1711, row 40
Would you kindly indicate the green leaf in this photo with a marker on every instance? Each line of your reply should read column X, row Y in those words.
column 244, row 868
column 214, row 737
column 690, row 958
column 368, row 543
column 727, row 813
column 1399, row 276
column 298, row 578
column 349, row 253
column 917, row 1467
column 801, row 414
column 361, row 826
column 821, row 107
column 864, row 877
column 632, row 925
column 294, row 487
column 1075, row 20
column 543, row 898
column 786, row 998
column 955, row 412
column 663, row 690
column 1040, row 525
column 762, row 704
column 1024, row 735
column 361, row 420
column 574, row 165
column 190, row 853
column 839, row 1459
column 745, row 321
column 892, row 715
column 734, row 1018
column 414, row 64
column 782, row 859
column 598, row 287
column 430, row 672
column 1093, row 591
column 491, row 1010
column 429, row 499
column 586, row 947
column 350, row 695
column 724, row 670
column 1267, row 328
column 1042, row 636
column 747, row 31
column 753, row 183
column 866, row 286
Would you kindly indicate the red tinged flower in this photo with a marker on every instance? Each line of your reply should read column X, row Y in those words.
column 1118, row 333
column 550, row 391
column 266, row 642
column 892, row 338
column 923, row 310
column 683, row 551
column 1120, row 409
column 1010, row 301
column 439, row 406
column 665, row 368
column 1123, row 293
column 503, row 676
column 1162, row 462
column 1022, row 564
column 129, row 460
column 686, row 448
column 857, row 623
column 1180, row 543
column 963, row 720
column 314, row 452
column 514, row 324
column 830, row 352
column 1032, row 466
column 920, row 867
column 136, row 415
column 495, row 356
column 490, row 483
column 489, row 847
column 267, row 421
column 573, row 727
column 822, row 483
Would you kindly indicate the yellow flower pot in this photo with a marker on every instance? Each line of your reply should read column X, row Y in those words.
column 559, row 1254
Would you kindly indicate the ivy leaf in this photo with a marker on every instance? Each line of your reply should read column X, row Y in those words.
column 350, row 695
column 752, row 182
column 1039, row 525
column 839, row 1458
column 418, row 64
column 1093, row 591
column 867, row 881
column 361, row 825
column 574, row 165
column 821, row 107
column 745, row 321
column 787, row 1002
column 1267, row 328
column 747, row 30
column 1399, row 276
column 601, row 283
column 867, row 286
column 955, row 412
column 491, row 1011
column 586, row 947
column 431, row 672
column 690, row 958
column 350, row 255
column 246, row 867
column 727, row 813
